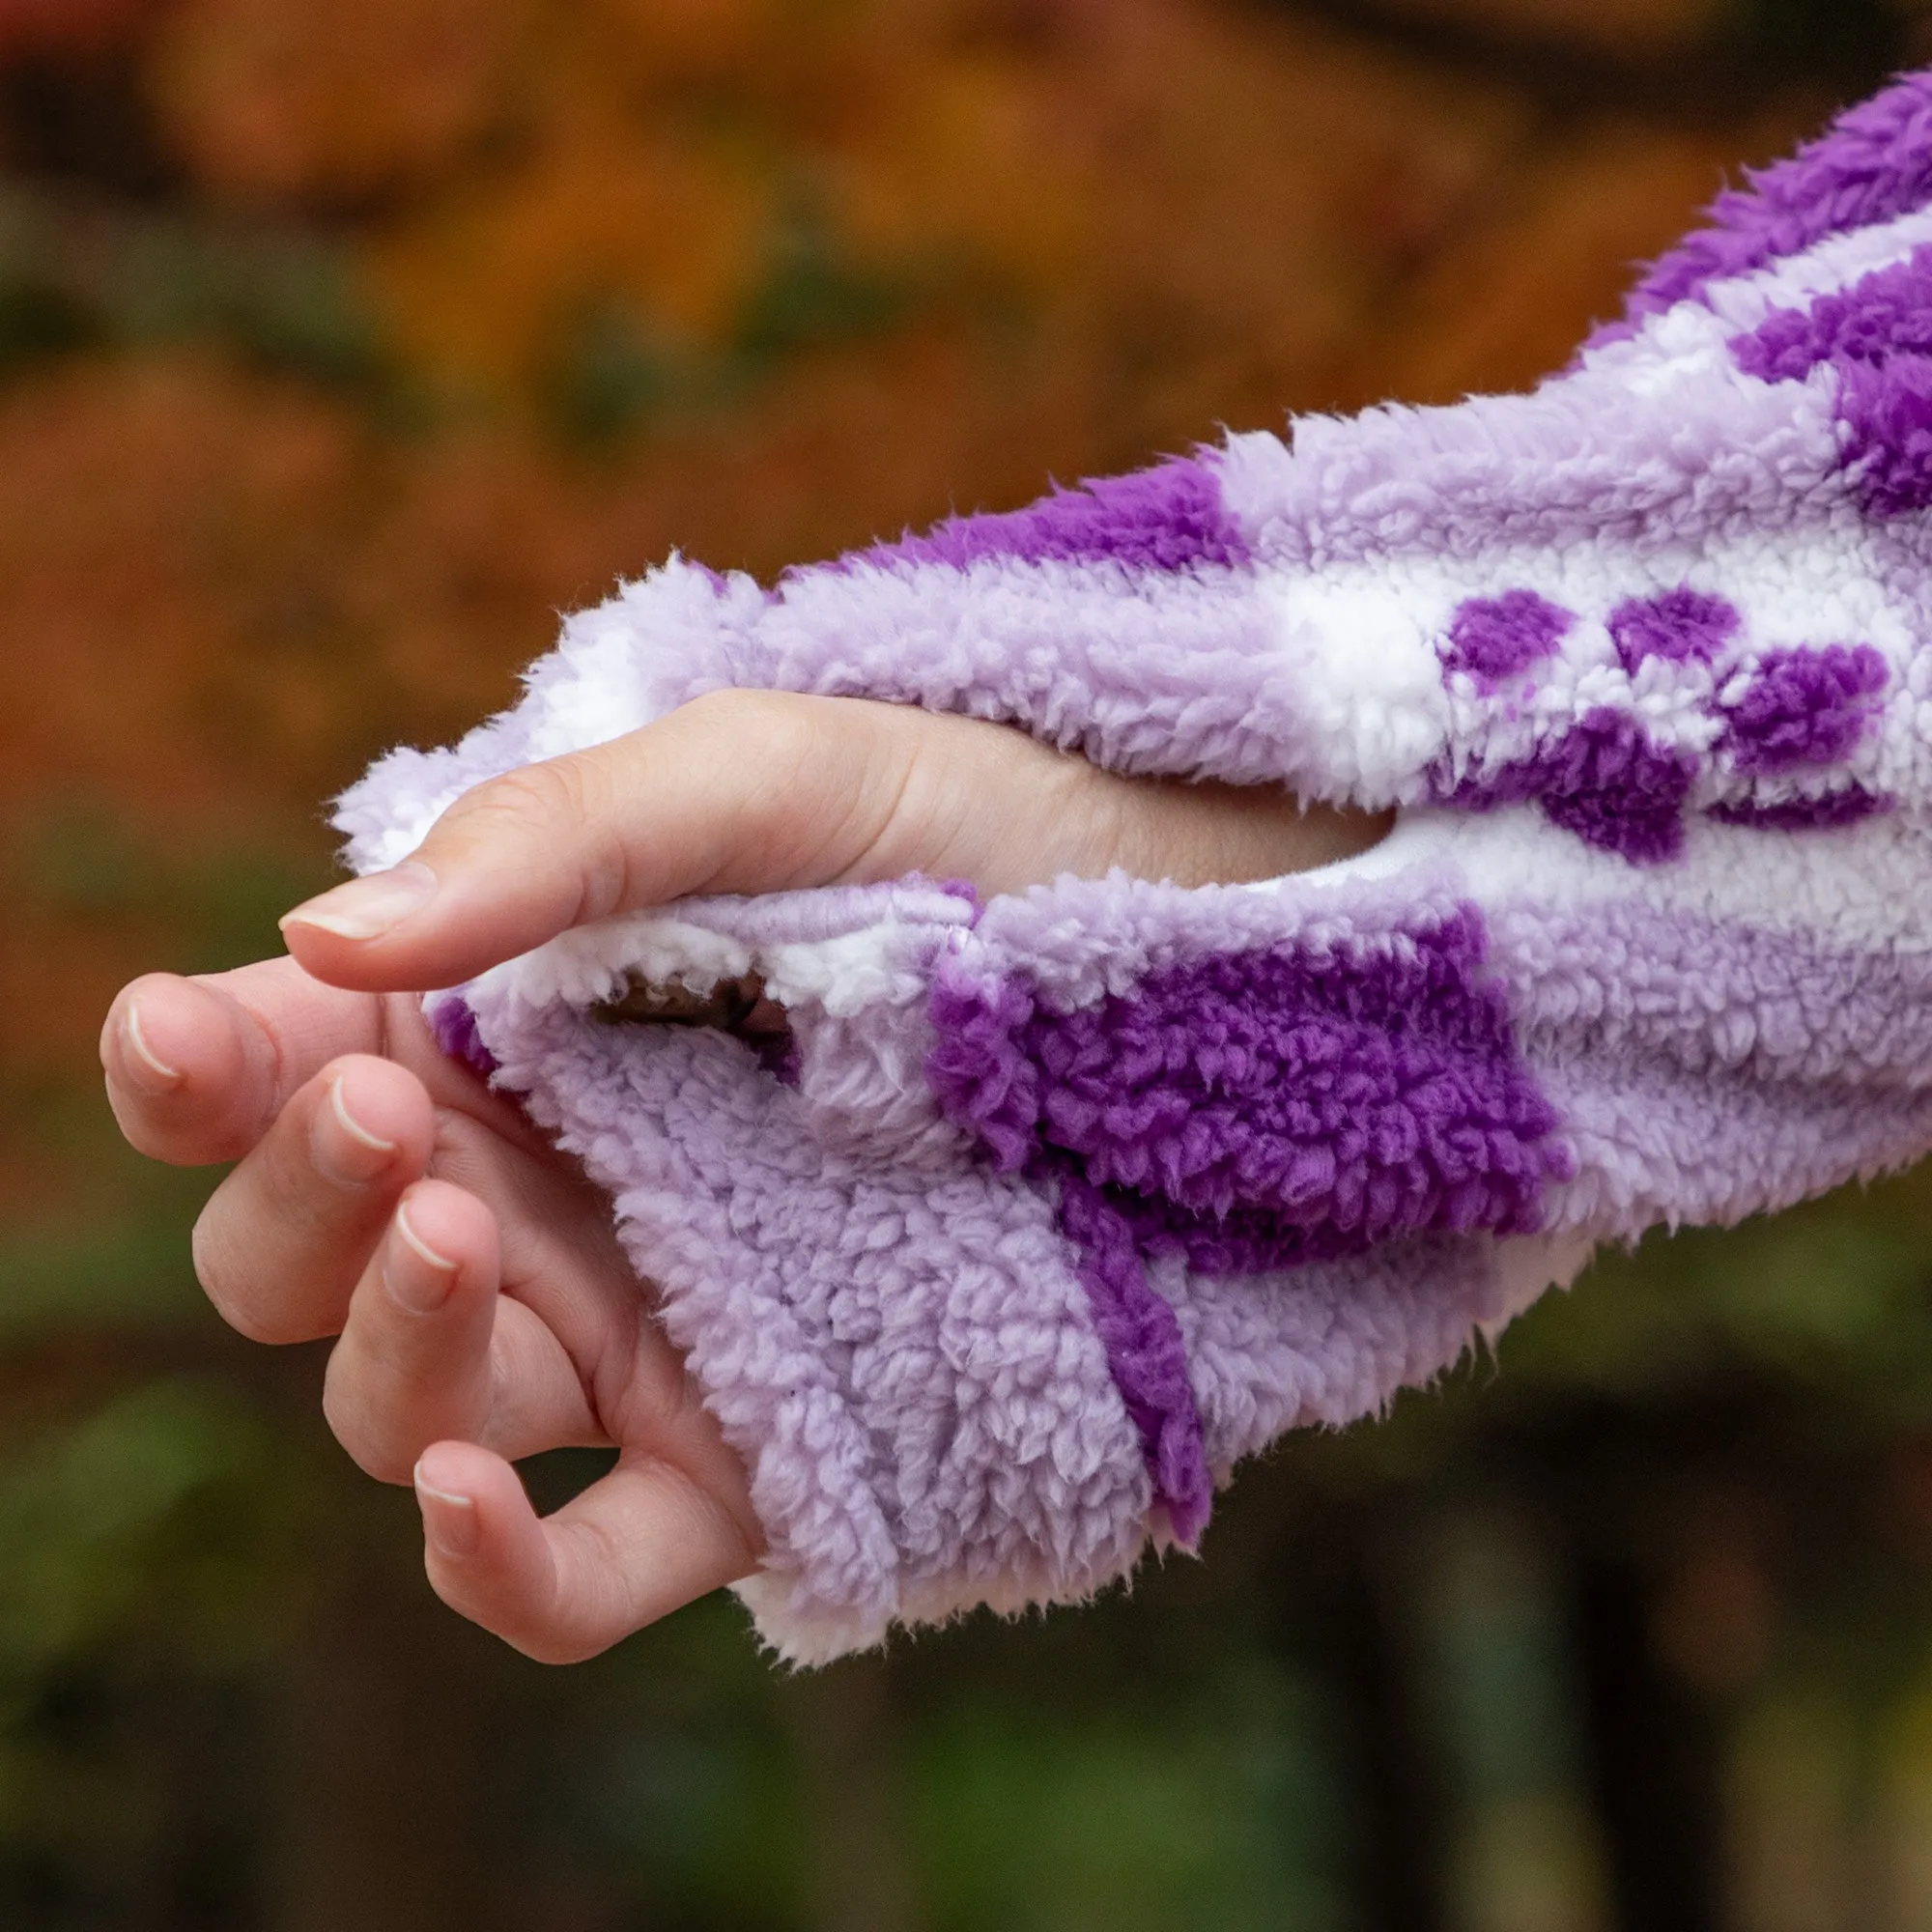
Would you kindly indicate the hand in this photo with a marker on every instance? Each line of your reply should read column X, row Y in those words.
column 384, row 1195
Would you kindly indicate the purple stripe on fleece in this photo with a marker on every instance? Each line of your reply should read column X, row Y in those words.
column 980, row 1070
column 1683, row 626
column 454, row 1027
column 1803, row 707
column 984, row 1082
column 1886, row 413
column 1878, row 335
column 1604, row 781
column 1257, row 1240
column 1494, row 638
column 1879, row 316
column 1167, row 518
column 1849, row 807
column 1145, row 1351
column 1874, row 165
column 1269, row 1106
column 1250, row 1110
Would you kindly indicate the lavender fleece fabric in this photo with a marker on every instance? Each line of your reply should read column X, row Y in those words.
column 1052, row 1209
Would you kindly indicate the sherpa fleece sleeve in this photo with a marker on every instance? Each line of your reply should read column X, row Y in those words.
column 1039, row 1215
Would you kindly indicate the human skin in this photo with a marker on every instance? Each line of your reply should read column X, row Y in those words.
column 385, row 1196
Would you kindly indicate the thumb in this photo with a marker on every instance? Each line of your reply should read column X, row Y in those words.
column 739, row 791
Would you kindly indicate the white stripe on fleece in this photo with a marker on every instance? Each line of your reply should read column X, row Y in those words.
column 1364, row 708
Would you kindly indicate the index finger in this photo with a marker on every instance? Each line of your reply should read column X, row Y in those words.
column 198, row 1068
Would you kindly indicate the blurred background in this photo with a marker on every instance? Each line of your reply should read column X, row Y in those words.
column 345, row 342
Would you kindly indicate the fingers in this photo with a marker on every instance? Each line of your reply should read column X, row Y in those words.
column 632, row 1548
column 430, row 1349
column 198, row 1068
column 739, row 791
column 282, row 1241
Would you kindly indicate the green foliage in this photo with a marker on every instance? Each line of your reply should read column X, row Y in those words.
column 39, row 320
column 75, row 276
column 213, row 900
column 614, row 374
column 156, row 1513
column 1217, row 1811
column 810, row 294
column 130, row 1273
column 619, row 370
column 1831, row 1295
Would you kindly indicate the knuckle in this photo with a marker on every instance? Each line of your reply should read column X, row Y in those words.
column 376, row 1451
column 550, row 795
column 724, row 709
column 772, row 749
column 558, row 814
column 502, row 1614
column 229, row 1286
column 732, row 1533
column 761, row 726
column 558, row 1638
column 557, row 1652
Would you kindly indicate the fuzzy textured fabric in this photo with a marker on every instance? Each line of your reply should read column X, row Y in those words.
column 1052, row 1209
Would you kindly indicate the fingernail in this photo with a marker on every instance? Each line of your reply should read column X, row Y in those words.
column 368, row 908
column 344, row 1150
column 418, row 1278
column 449, row 1519
column 143, row 1059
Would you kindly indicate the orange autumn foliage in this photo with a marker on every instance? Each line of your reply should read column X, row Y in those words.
column 858, row 263
column 40, row 26
column 326, row 101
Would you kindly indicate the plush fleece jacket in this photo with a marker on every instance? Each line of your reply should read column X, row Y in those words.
column 1046, row 1212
